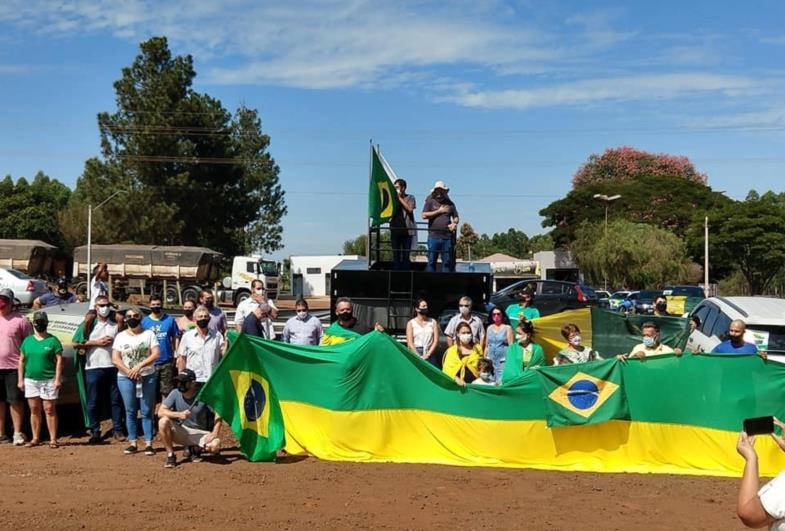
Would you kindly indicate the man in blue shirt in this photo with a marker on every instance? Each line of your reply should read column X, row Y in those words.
column 736, row 344
column 63, row 296
column 304, row 328
column 167, row 332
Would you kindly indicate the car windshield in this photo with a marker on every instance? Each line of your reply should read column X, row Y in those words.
column 17, row 274
column 518, row 286
column 773, row 336
column 620, row 294
column 689, row 291
column 649, row 295
column 268, row 267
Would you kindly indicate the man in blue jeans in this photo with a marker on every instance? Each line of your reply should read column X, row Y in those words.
column 100, row 372
column 442, row 218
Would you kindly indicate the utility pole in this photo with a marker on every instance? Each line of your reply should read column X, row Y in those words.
column 607, row 200
column 90, row 239
column 706, row 256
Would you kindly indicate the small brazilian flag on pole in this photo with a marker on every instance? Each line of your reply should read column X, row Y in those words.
column 583, row 393
column 382, row 196
column 240, row 392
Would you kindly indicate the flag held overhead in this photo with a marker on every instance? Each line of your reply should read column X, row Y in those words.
column 382, row 196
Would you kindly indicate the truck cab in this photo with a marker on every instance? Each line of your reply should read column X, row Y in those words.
column 246, row 269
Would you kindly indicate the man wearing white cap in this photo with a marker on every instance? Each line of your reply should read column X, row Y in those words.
column 442, row 218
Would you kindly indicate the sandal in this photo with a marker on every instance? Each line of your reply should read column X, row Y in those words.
column 53, row 444
column 33, row 443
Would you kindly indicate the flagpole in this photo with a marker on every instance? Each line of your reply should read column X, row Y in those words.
column 368, row 218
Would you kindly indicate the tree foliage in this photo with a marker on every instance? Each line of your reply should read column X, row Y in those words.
column 467, row 242
column 750, row 235
column 627, row 163
column 633, row 256
column 192, row 173
column 30, row 209
column 356, row 246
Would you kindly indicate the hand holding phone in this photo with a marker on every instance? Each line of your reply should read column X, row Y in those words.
column 759, row 425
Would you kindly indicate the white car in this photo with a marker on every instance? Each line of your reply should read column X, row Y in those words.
column 764, row 316
column 26, row 289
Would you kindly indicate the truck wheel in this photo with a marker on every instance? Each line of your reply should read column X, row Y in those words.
column 171, row 296
column 191, row 292
column 240, row 297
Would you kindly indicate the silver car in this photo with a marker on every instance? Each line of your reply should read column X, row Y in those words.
column 26, row 289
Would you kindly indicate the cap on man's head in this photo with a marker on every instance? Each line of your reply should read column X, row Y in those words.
column 185, row 375
column 40, row 317
column 7, row 294
column 62, row 283
column 439, row 185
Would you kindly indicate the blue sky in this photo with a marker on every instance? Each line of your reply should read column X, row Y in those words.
column 502, row 100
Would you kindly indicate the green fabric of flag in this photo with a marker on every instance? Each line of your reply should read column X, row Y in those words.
column 382, row 196
column 240, row 391
column 583, row 393
column 337, row 330
column 617, row 333
column 79, row 368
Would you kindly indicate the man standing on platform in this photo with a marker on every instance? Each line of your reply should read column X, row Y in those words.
column 402, row 228
column 442, row 218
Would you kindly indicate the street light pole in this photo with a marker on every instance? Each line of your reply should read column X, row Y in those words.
column 706, row 256
column 607, row 200
column 90, row 239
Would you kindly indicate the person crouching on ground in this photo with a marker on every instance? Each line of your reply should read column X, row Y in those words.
column 40, row 376
column 758, row 508
column 575, row 351
column 461, row 360
column 184, row 421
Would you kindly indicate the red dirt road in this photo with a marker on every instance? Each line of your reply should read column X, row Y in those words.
column 83, row 487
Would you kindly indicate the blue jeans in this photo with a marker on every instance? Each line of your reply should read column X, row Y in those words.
column 146, row 404
column 401, row 242
column 100, row 383
column 436, row 246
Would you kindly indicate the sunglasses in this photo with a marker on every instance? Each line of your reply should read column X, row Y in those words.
column 102, row 305
column 464, row 306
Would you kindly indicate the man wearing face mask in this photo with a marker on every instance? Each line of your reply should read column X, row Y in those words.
column 303, row 328
column 402, row 228
column 13, row 329
column 258, row 296
column 346, row 326
column 200, row 349
column 62, row 296
column 442, row 218
column 216, row 315
column 185, row 421
column 651, row 345
column 100, row 371
column 167, row 332
column 661, row 306
column 465, row 315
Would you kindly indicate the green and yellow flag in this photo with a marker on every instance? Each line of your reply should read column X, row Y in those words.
column 583, row 393
column 240, row 392
column 382, row 196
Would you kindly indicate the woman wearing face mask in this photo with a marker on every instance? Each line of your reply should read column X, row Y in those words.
column 186, row 321
column 40, row 376
column 523, row 354
column 498, row 337
column 461, row 360
column 524, row 310
column 422, row 333
column 575, row 352
column 134, row 353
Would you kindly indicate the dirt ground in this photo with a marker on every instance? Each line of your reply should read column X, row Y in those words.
column 89, row 487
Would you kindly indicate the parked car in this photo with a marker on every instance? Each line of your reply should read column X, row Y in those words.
column 26, row 289
column 687, row 291
column 550, row 296
column 614, row 301
column 643, row 301
column 764, row 316
column 603, row 298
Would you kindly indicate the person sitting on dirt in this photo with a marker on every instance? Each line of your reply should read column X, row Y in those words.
column 185, row 421
column 464, row 315
column 765, row 506
column 487, row 377
column 575, row 351
column 651, row 345
column 62, row 296
column 461, row 361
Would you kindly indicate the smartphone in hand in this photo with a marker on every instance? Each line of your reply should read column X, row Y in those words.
column 759, row 425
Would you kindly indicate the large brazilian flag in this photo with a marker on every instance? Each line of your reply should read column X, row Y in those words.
column 370, row 399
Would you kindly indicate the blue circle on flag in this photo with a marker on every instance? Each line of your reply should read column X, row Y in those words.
column 583, row 394
column 254, row 401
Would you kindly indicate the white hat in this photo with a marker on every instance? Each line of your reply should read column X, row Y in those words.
column 440, row 184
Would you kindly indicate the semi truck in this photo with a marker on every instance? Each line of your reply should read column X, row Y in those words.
column 177, row 273
column 34, row 257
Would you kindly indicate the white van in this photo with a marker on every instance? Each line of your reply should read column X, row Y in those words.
column 764, row 316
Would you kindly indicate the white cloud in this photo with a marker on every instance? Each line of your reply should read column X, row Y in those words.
column 643, row 87
column 773, row 117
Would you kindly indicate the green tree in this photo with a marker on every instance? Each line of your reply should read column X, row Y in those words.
column 467, row 240
column 750, row 235
column 356, row 246
column 30, row 209
column 541, row 242
column 192, row 173
column 634, row 255
column 627, row 163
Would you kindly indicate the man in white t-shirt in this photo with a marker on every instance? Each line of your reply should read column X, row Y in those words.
column 98, row 285
column 765, row 506
column 258, row 296
column 100, row 372
column 200, row 349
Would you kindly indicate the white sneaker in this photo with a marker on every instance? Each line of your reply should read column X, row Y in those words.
column 19, row 439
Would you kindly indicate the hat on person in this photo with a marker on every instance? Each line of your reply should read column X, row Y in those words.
column 7, row 294
column 62, row 283
column 185, row 375
column 440, row 184
column 40, row 317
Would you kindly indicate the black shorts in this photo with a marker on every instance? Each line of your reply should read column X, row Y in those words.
column 164, row 376
column 9, row 386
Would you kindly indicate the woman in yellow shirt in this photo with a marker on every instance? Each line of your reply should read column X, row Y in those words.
column 461, row 359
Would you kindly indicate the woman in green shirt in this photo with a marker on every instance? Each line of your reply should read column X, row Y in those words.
column 40, row 377
column 524, row 354
column 523, row 311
